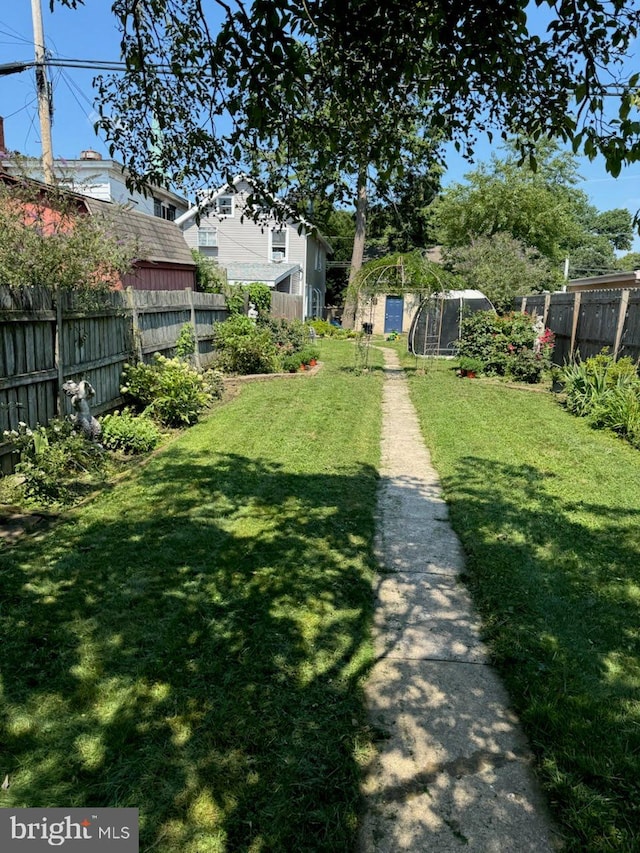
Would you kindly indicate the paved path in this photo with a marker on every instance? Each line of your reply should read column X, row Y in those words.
column 453, row 769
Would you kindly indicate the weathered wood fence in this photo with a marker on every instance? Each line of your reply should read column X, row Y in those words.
column 286, row 305
column 584, row 323
column 44, row 341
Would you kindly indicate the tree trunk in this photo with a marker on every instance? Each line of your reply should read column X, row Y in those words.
column 351, row 299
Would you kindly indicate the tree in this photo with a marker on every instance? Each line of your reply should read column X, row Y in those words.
column 630, row 262
column 251, row 70
column 339, row 228
column 48, row 239
column 400, row 219
column 502, row 267
column 593, row 252
column 538, row 208
column 541, row 209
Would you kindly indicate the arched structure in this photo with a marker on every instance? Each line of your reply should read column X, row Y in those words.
column 436, row 325
column 388, row 291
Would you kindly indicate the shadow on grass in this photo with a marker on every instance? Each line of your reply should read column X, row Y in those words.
column 192, row 647
column 558, row 584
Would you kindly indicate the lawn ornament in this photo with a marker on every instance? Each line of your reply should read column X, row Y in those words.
column 84, row 422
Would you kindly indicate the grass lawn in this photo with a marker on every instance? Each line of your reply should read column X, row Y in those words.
column 191, row 643
column 548, row 511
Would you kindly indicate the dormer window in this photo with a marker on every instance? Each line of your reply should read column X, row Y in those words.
column 224, row 205
column 164, row 211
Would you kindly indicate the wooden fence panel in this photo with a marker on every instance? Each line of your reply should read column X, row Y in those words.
column 286, row 305
column 43, row 344
column 584, row 323
column 630, row 337
column 95, row 343
column 161, row 314
column 27, row 356
column 533, row 304
column 597, row 322
column 560, row 321
column 209, row 308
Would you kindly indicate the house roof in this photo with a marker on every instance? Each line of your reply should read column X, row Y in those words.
column 209, row 196
column 268, row 273
column 610, row 281
column 160, row 241
column 65, row 171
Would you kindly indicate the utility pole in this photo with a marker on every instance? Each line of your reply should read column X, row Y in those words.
column 42, row 87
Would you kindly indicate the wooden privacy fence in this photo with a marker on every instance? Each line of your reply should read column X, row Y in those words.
column 586, row 322
column 46, row 340
column 286, row 305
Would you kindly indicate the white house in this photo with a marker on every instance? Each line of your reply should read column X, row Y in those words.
column 105, row 180
column 283, row 253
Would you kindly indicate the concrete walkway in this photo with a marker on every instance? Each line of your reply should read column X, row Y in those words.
column 452, row 771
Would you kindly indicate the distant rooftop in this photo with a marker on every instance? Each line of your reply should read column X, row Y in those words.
column 266, row 273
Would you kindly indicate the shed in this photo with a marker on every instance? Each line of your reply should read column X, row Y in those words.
column 165, row 261
column 436, row 324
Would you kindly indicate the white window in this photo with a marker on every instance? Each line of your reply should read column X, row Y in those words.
column 207, row 236
column 279, row 244
column 224, row 205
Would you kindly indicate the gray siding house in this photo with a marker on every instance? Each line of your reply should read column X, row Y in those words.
column 283, row 254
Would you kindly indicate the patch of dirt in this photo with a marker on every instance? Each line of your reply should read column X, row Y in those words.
column 16, row 522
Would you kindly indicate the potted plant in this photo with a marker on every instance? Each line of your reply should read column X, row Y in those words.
column 469, row 367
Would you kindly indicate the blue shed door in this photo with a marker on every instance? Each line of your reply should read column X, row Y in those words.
column 393, row 313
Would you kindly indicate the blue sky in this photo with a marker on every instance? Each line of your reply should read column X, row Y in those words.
column 90, row 33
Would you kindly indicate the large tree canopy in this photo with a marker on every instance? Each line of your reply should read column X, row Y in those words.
column 543, row 210
column 287, row 75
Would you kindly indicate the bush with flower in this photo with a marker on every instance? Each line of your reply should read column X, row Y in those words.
column 516, row 346
column 56, row 463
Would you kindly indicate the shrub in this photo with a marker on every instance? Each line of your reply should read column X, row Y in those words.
column 56, row 463
column 186, row 343
column 129, row 433
column 260, row 295
column 245, row 347
column 214, row 382
column 170, row 390
column 308, row 354
column 234, row 299
column 288, row 335
column 511, row 345
column 210, row 278
column 322, row 328
column 291, row 363
column 606, row 392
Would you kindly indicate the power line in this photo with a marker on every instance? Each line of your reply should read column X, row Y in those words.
column 608, row 89
column 12, row 33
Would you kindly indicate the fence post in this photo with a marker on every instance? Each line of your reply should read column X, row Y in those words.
column 58, row 352
column 574, row 321
column 622, row 316
column 523, row 305
column 137, row 334
column 547, row 303
column 194, row 326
